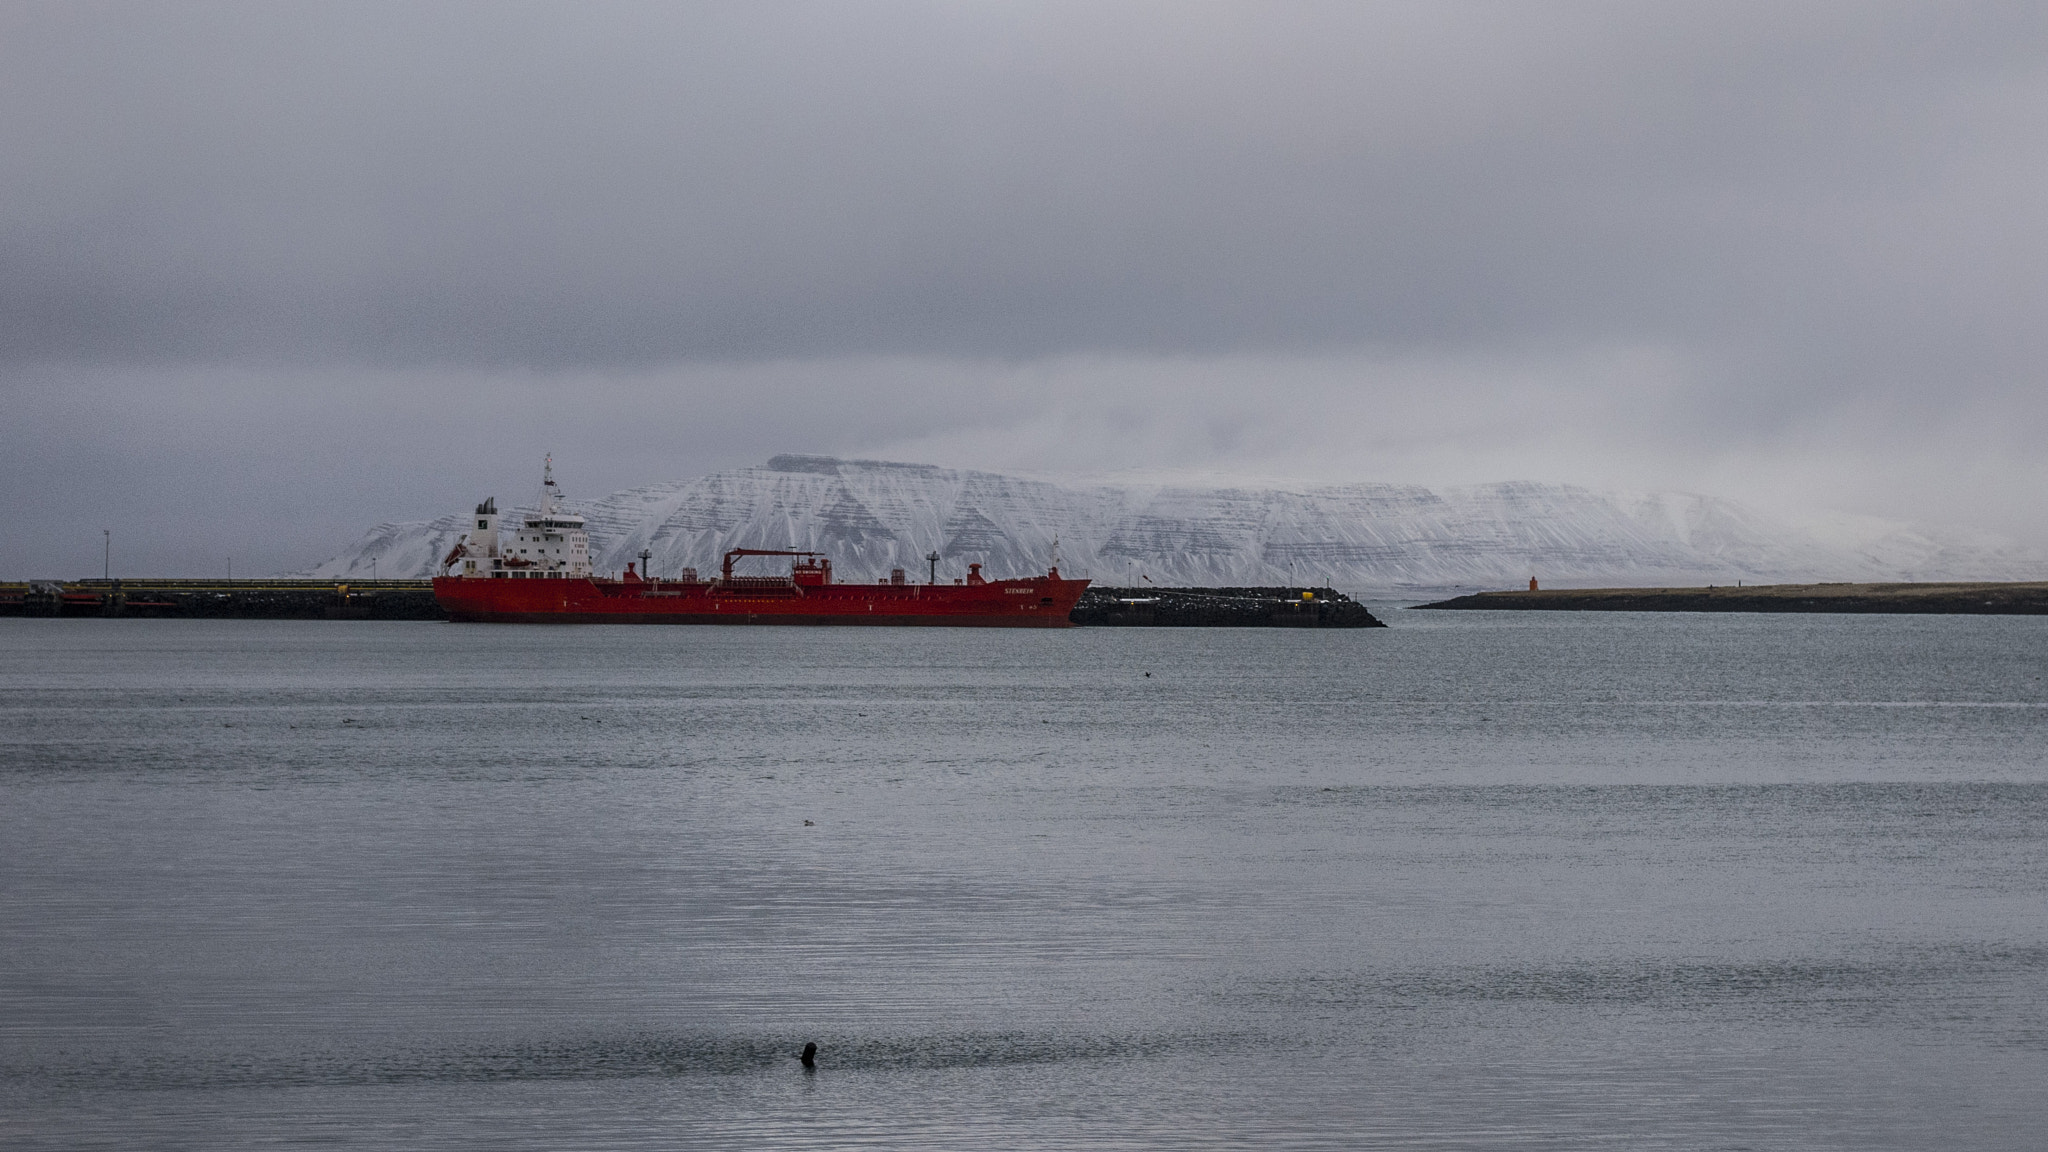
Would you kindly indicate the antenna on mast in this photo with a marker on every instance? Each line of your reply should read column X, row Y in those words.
column 550, row 495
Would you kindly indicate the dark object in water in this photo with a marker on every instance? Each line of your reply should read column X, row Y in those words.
column 810, row 1056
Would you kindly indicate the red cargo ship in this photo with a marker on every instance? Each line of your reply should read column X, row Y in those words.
column 544, row 576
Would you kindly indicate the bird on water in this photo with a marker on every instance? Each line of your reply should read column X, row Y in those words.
column 810, row 1056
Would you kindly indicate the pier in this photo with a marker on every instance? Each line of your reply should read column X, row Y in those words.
column 1974, row 599
column 245, row 599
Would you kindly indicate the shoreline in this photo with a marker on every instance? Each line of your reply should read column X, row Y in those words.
column 289, row 599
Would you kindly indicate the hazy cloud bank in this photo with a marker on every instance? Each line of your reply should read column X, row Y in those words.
column 276, row 271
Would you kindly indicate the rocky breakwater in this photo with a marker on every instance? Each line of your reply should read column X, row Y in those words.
column 1976, row 599
column 1221, row 608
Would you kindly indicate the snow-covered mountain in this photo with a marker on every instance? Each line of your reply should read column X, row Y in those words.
column 1388, row 539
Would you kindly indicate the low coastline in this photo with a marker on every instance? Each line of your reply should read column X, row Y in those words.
column 283, row 599
column 1929, row 598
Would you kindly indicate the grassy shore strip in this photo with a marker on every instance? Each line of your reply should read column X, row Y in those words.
column 2025, row 599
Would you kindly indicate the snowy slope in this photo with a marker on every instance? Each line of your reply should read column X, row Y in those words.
column 870, row 516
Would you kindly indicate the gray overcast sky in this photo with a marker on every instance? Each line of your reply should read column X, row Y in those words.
column 272, row 272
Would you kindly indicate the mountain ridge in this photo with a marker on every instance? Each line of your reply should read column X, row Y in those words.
column 873, row 515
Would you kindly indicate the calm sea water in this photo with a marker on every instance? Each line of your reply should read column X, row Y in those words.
column 1476, row 881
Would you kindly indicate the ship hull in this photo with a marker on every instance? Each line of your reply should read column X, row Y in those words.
column 1040, row 602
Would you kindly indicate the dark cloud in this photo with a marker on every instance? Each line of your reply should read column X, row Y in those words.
column 1823, row 218
column 573, row 185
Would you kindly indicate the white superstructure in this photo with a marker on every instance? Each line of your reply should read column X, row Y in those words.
column 549, row 545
